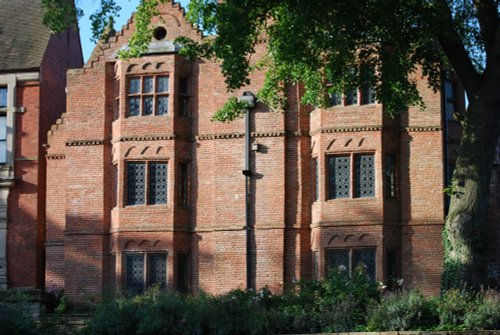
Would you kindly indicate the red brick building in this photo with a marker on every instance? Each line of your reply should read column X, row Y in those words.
column 33, row 66
column 144, row 188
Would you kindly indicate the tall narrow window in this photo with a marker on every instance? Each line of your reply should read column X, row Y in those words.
column 148, row 95
column 365, row 258
column 182, row 273
column 3, row 138
column 390, row 176
column 3, row 97
column 450, row 97
column 157, row 183
column 316, row 179
column 367, row 95
column 340, row 176
column 184, row 184
column 136, row 183
column 183, row 96
column 351, row 97
column 364, row 184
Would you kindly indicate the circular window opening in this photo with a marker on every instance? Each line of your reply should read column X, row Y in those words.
column 159, row 33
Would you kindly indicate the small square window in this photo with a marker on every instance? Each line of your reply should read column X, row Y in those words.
column 147, row 98
column 351, row 97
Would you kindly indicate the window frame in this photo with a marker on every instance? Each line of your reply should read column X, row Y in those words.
column 352, row 175
column 147, row 183
column 142, row 95
column 146, row 259
column 184, row 185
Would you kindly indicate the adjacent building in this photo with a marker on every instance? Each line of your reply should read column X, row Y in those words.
column 33, row 66
column 144, row 188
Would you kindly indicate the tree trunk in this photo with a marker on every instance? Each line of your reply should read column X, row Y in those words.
column 464, row 236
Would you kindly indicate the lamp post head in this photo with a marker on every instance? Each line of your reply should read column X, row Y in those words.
column 249, row 98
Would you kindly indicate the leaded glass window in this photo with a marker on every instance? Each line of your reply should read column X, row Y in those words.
column 162, row 108
column 365, row 258
column 184, row 184
column 135, row 273
column 3, row 97
column 136, row 178
column 183, row 97
column 157, row 183
column 351, row 97
column 316, row 179
column 148, row 105
column 390, row 176
column 148, row 85
column 158, row 270
column 350, row 259
column 162, row 84
column 367, row 95
column 364, row 185
column 143, row 270
column 148, row 95
column 335, row 99
column 337, row 260
column 340, row 177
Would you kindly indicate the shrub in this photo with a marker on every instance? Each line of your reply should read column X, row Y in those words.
column 452, row 308
column 15, row 318
column 485, row 312
column 404, row 311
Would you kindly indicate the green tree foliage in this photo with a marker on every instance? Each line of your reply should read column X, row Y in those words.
column 382, row 43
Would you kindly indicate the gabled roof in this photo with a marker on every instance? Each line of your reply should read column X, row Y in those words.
column 23, row 37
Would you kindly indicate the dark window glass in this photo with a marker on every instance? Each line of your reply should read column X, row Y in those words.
column 365, row 258
column 351, row 97
column 135, row 86
column 340, row 176
column 367, row 95
column 390, row 176
column 134, row 106
column 182, row 273
column 3, row 97
column 148, row 106
column 135, row 273
column 337, row 259
column 162, row 108
column 157, row 270
column 136, row 178
column 364, row 185
column 148, row 85
column 335, row 99
column 316, row 179
column 184, row 106
column 162, row 86
column 144, row 270
column 147, row 98
column 183, row 85
column 184, row 184
column 157, row 183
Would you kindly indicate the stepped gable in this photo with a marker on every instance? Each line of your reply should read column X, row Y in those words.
column 171, row 13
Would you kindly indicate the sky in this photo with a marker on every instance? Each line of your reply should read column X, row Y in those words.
column 90, row 6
